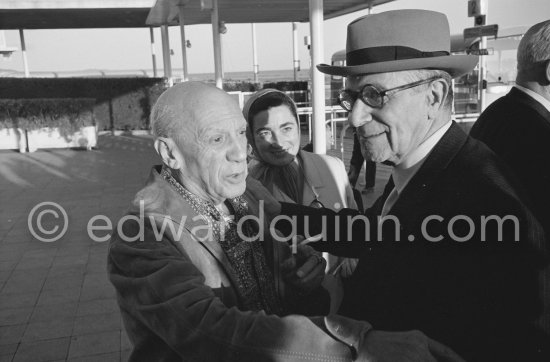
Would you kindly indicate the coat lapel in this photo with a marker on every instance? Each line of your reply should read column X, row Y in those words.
column 313, row 177
column 169, row 203
column 376, row 208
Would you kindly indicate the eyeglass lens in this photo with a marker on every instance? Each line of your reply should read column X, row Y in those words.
column 370, row 95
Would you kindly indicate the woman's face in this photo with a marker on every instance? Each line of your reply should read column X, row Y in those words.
column 276, row 135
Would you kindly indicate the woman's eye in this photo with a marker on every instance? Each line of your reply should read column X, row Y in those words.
column 263, row 133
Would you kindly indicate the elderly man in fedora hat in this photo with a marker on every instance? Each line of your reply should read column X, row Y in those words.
column 451, row 248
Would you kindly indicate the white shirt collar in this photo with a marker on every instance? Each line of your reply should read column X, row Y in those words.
column 545, row 102
column 405, row 171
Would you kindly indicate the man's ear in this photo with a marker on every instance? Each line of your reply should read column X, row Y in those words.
column 168, row 152
column 438, row 92
column 547, row 72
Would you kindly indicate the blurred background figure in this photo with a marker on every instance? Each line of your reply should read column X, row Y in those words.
column 517, row 126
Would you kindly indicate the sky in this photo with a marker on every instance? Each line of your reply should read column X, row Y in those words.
column 120, row 49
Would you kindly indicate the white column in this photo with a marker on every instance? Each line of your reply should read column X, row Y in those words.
column 482, row 74
column 255, row 66
column 217, row 44
column 153, row 52
column 318, row 78
column 24, row 53
column 166, row 54
column 183, row 45
column 295, row 55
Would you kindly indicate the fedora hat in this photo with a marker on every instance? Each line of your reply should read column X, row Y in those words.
column 400, row 40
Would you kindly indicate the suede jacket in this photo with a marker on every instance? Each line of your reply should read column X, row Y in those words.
column 178, row 298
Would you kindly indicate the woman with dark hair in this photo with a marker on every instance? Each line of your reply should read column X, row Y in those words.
column 292, row 175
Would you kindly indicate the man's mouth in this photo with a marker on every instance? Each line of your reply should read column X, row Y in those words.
column 237, row 176
column 366, row 137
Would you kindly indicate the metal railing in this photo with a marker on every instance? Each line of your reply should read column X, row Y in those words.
column 296, row 95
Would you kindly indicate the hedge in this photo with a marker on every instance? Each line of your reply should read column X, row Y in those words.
column 244, row 86
column 68, row 115
column 120, row 103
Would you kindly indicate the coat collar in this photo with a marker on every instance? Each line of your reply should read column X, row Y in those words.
column 438, row 160
column 312, row 176
column 524, row 98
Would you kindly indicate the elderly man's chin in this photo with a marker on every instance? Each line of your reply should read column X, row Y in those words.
column 234, row 186
column 375, row 155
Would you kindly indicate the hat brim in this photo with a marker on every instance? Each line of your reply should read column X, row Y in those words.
column 455, row 65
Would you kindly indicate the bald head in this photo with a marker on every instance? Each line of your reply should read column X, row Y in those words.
column 533, row 52
column 183, row 104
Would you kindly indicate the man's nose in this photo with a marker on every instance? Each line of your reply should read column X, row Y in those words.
column 237, row 151
column 360, row 114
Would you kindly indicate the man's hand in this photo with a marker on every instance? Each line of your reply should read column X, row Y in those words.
column 405, row 346
column 348, row 267
column 371, row 345
column 304, row 270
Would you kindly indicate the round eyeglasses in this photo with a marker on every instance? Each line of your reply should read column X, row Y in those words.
column 372, row 96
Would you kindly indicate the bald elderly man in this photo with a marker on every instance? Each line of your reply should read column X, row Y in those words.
column 191, row 285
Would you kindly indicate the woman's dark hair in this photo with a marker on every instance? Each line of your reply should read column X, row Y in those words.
column 269, row 100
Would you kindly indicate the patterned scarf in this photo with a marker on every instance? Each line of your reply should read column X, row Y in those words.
column 279, row 180
column 255, row 282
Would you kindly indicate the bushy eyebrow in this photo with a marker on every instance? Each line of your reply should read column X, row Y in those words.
column 220, row 130
column 212, row 130
column 361, row 84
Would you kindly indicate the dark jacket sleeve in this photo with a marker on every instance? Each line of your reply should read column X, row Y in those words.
column 474, row 295
column 346, row 233
column 161, row 289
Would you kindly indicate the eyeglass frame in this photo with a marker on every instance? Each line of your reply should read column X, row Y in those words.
column 383, row 93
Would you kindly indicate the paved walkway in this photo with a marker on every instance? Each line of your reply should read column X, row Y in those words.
column 56, row 303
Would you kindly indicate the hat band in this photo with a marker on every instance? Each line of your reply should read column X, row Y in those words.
column 388, row 53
